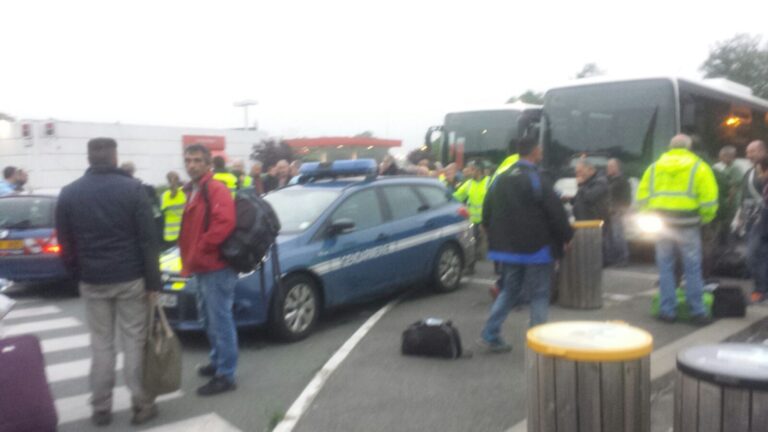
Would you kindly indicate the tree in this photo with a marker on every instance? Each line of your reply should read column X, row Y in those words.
column 590, row 70
column 741, row 59
column 270, row 151
column 529, row 97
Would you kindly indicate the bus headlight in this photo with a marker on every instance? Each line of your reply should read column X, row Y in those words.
column 649, row 224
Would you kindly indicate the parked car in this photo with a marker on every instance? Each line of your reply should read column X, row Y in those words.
column 343, row 241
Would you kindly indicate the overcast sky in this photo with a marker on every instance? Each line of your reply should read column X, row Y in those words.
column 329, row 67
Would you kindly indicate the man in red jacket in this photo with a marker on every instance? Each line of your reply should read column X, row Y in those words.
column 209, row 218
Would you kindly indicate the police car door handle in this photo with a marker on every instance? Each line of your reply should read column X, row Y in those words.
column 382, row 237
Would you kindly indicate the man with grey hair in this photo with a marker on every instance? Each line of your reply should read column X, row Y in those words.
column 748, row 217
column 681, row 189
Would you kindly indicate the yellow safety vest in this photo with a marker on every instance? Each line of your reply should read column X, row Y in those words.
column 679, row 181
column 229, row 180
column 173, row 209
column 505, row 165
column 247, row 182
column 473, row 192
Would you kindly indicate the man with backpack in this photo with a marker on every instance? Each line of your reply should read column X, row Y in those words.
column 208, row 221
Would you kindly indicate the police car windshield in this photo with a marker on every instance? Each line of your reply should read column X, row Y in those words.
column 299, row 207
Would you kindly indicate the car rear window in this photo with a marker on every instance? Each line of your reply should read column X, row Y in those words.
column 403, row 201
column 26, row 212
column 298, row 208
column 434, row 196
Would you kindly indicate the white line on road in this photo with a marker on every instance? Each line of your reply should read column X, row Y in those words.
column 41, row 326
column 76, row 408
column 65, row 343
column 31, row 312
column 305, row 399
column 479, row 281
column 205, row 423
column 74, row 369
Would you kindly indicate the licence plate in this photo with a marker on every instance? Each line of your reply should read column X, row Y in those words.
column 11, row 244
column 168, row 300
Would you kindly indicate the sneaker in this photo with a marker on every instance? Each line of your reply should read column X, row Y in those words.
column 495, row 348
column 669, row 319
column 101, row 418
column 216, row 385
column 143, row 415
column 208, row 370
column 757, row 297
column 701, row 320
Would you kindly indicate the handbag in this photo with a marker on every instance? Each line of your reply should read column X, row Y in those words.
column 162, row 355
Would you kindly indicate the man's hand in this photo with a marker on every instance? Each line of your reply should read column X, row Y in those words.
column 153, row 296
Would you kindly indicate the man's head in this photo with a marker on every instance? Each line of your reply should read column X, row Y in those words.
column 129, row 168
column 475, row 169
column 173, row 178
column 102, row 152
column 21, row 178
column 295, row 167
column 529, row 149
column 9, row 173
column 450, row 171
column 727, row 155
column 238, row 167
column 681, row 141
column 256, row 168
column 282, row 168
column 197, row 161
column 757, row 151
column 219, row 164
column 613, row 168
column 584, row 170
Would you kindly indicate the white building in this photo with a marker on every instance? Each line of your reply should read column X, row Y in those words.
column 55, row 152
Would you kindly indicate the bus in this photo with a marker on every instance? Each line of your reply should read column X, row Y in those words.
column 485, row 134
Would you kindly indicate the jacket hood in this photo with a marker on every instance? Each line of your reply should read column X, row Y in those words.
column 677, row 161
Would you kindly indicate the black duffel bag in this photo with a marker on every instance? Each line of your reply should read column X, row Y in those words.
column 432, row 337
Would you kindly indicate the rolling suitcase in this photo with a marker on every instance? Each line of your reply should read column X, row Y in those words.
column 26, row 404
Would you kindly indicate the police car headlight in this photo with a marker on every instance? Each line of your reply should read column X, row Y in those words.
column 649, row 224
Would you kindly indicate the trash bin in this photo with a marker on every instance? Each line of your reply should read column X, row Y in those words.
column 722, row 388
column 586, row 376
column 580, row 278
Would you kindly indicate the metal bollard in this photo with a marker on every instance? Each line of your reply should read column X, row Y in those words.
column 580, row 280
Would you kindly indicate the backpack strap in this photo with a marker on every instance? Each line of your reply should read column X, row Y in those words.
column 207, row 201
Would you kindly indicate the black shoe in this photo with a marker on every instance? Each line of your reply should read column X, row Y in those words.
column 208, row 370
column 143, row 415
column 669, row 319
column 101, row 418
column 701, row 320
column 216, row 385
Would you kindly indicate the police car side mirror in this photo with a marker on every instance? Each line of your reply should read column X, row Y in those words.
column 341, row 226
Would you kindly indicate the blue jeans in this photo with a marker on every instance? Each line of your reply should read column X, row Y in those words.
column 215, row 297
column 757, row 258
column 617, row 251
column 688, row 241
column 519, row 280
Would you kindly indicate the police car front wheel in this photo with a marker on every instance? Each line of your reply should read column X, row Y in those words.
column 296, row 308
column 448, row 268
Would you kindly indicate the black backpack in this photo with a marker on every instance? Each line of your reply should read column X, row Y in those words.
column 729, row 302
column 432, row 338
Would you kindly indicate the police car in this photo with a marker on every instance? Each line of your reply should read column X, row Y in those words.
column 347, row 236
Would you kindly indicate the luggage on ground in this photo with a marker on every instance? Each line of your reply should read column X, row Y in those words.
column 729, row 302
column 432, row 337
column 26, row 404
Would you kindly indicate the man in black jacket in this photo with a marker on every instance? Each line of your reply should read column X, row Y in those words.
column 108, row 243
column 593, row 199
column 526, row 224
column 621, row 198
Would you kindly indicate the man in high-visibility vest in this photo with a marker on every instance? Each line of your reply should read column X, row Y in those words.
column 238, row 170
column 221, row 174
column 472, row 192
column 681, row 189
column 172, row 206
column 505, row 165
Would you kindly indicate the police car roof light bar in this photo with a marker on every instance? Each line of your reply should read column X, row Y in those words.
column 339, row 168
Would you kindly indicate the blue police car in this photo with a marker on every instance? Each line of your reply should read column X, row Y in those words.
column 347, row 236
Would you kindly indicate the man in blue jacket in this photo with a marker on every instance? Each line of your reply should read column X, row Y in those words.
column 527, row 227
column 108, row 243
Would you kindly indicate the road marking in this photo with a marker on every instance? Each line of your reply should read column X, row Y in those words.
column 305, row 399
column 75, row 408
column 65, row 343
column 652, row 277
column 205, row 423
column 479, row 281
column 31, row 312
column 41, row 326
column 664, row 360
column 74, row 369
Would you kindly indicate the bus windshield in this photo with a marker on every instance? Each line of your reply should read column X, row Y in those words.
column 481, row 134
column 630, row 120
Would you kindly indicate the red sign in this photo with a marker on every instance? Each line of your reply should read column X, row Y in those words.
column 213, row 142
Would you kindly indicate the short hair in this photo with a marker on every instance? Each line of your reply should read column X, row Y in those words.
column 257, row 163
column 526, row 146
column 173, row 174
column 219, row 163
column 681, row 141
column 728, row 150
column 586, row 163
column 9, row 172
column 199, row 148
column 129, row 167
column 102, row 151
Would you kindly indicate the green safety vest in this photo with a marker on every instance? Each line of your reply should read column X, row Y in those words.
column 679, row 181
column 173, row 209
column 247, row 181
column 229, row 180
column 505, row 165
column 473, row 193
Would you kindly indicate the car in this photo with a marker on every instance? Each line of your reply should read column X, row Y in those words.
column 347, row 236
column 29, row 250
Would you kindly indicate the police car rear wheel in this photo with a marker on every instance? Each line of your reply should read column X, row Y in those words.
column 295, row 310
column 447, row 274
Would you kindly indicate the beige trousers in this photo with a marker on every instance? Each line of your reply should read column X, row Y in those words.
column 116, row 309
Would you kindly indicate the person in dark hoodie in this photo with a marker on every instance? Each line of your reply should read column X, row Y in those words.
column 593, row 200
column 526, row 223
column 109, row 245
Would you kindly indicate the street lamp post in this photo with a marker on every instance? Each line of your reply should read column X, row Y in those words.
column 245, row 104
